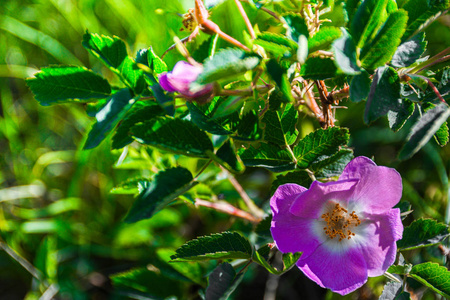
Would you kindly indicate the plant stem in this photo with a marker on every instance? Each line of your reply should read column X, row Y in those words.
column 433, row 87
column 246, row 92
column 245, row 17
column 392, row 277
column 227, row 208
column 440, row 57
column 254, row 210
column 201, row 170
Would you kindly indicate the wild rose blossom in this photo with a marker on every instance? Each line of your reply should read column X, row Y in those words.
column 180, row 79
column 346, row 229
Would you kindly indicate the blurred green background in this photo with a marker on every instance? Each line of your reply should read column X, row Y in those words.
column 56, row 211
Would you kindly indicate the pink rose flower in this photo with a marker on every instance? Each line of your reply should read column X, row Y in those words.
column 180, row 79
column 347, row 229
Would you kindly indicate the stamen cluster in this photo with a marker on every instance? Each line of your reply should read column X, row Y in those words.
column 339, row 223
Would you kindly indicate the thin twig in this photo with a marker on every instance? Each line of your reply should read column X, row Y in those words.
column 227, row 208
column 246, row 19
column 201, row 170
column 434, row 60
column 433, row 87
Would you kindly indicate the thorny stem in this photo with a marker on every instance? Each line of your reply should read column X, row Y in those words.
column 311, row 174
column 326, row 104
column 254, row 210
column 312, row 105
column 245, row 17
column 430, row 84
column 227, row 208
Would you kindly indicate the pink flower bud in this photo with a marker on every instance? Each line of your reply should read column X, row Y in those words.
column 180, row 79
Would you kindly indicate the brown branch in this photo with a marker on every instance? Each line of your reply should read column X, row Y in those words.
column 326, row 104
column 245, row 17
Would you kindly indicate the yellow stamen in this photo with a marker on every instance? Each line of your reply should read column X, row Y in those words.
column 339, row 223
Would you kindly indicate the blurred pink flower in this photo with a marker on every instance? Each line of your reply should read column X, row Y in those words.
column 180, row 79
column 346, row 229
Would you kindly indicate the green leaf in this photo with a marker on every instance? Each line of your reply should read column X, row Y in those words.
column 317, row 68
column 65, row 84
column 130, row 186
column 199, row 118
column 273, row 132
column 248, row 128
column 398, row 118
column 360, row 87
column 318, row 143
column 442, row 133
column 226, row 245
column 329, row 166
column 227, row 63
column 289, row 123
column 226, row 156
column 112, row 52
column 385, row 43
column 421, row 13
column 384, row 94
column 163, row 98
column 268, row 156
column 367, row 20
column 433, row 276
column 323, row 39
column 298, row 177
column 263, row 227
column 227, row 107
column 278, row 74
column 139, row 113
column 276, row 44
column 410, row 51
column 289, row 260
column 351, row 7
column 160, row 192
column 423, row 233
column 136, row 281
column 222, row 282
column 109, row 116
column 394, row 291
column 345, row 55
column 424, row 129
column 296, row 26
column 174, row 135
column 155, row 63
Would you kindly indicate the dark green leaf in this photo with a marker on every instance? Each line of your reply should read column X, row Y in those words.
column 385, row 43
column 129, row 186
column 222, row 282
column 108, row 117
column 278, row 74
column 368, row 18
column 273, row 132
column 160, row 192
column 423, row 233
column 277, row 44
column 113, row 53
column 139, row 113
column 227, row 63
column 384, row 95
column 263, row 227
column 441, row 134
column 248, row 128
column 298, row 177
column 203, row 121
column 227, row 107
column 65, row 84
column 424, row 129
column 296, row 26
column 398, row 118
column 318, row 143
column 329, row 166
column 360, row 87
column 323, row 39
column 345, row 55
column 433, row 276
column 351, row 7
column 163, row 98
column 175, row 135
column 136, row 281
column 410, row 51
column 226, row 245
column 289, row 124
column 276, row 98
column 268, row 156
column 317, row 68
column 420, row 12
column 227, row 157
column 394, row 291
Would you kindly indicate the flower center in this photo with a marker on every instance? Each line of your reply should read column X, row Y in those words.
column 339, row 223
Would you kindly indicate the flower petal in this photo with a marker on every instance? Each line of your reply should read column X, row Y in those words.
column 165, row 84
column 342, row 270
column 184, row 70
column 310, row 203
column 379, row 188
column 290, row 233
column 377, row 240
